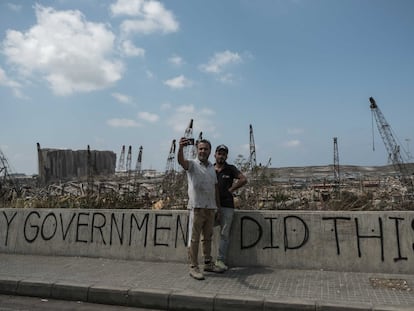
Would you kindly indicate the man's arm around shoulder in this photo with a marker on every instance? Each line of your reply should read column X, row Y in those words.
column 241, row 181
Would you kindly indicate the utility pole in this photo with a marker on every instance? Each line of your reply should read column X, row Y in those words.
column 90, row 173
column 337, row 180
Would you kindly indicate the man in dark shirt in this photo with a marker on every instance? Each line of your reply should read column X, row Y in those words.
column 229, row 180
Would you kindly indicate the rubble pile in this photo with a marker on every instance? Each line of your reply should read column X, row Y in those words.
column 305, row 188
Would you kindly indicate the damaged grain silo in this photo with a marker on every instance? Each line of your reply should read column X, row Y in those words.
column 66, row 164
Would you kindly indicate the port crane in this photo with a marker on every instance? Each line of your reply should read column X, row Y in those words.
column 393, row 148
column 121, row 165
column 189, row 151
column 252, row 147
column 138, row 164
column 128, row 160
column 170, row 167
column 6, row 178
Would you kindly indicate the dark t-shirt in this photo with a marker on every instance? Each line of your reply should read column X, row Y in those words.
column 225, row 180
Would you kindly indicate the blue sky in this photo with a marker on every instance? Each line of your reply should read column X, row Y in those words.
column 134, row 72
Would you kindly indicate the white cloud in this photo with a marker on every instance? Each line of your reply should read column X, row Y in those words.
column 147, row 116
column 123, row 123
column 13, row 85
column 176, row 60
column 122, row 98
column 221, row 60
column 129, row 49
column 150, row 16
column 178, row 82
column 226, row 78
column 127, row 7
column 203, row 120
column 292, row 143
column 69, row 52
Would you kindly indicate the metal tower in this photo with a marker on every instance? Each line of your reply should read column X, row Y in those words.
column 170, row 167
column 139, row 161
column 90, row 171
column 194, row 149
column 5, row 174
column 129, row 159
column 337, row 180
column 121, row 164
column 200, row 137
column 189, row 151
column 393, row 149
column 252, row 156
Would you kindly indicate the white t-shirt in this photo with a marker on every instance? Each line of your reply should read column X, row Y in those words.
column 202, row 182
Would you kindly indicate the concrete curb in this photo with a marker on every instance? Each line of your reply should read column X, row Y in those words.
column 171, row 300
column 36, row 288
column 68, row 291
column 289, row 305
column 188, row 300
column 234, row 303
column 149, row 298
column 8, row 286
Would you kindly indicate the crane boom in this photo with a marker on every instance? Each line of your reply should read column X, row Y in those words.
column 170, row 167
column 390, row 143
column 138, row 164
column 252, row 155
column 6, row 175
column 190, row 151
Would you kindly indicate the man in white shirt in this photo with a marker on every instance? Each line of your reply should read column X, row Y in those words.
column 203, row 200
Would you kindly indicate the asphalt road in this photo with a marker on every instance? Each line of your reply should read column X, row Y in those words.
column 22, row 303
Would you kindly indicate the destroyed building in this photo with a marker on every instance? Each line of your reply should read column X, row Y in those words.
column 65, row 164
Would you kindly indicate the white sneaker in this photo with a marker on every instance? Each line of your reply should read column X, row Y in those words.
column 211, row 267
column 196, row 274
column 221, row 265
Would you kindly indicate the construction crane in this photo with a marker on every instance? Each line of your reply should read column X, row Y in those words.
column 170, row 167
column 121, row 164
column 337, row 179
column 129, row 159
column 252, row 156
column 393, row 149
column 138, row 165
column 138, row 170
column 6, row 179
column 200, row 137
column 189, row 151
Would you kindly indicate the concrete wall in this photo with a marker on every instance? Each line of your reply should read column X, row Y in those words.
column 343, row 241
